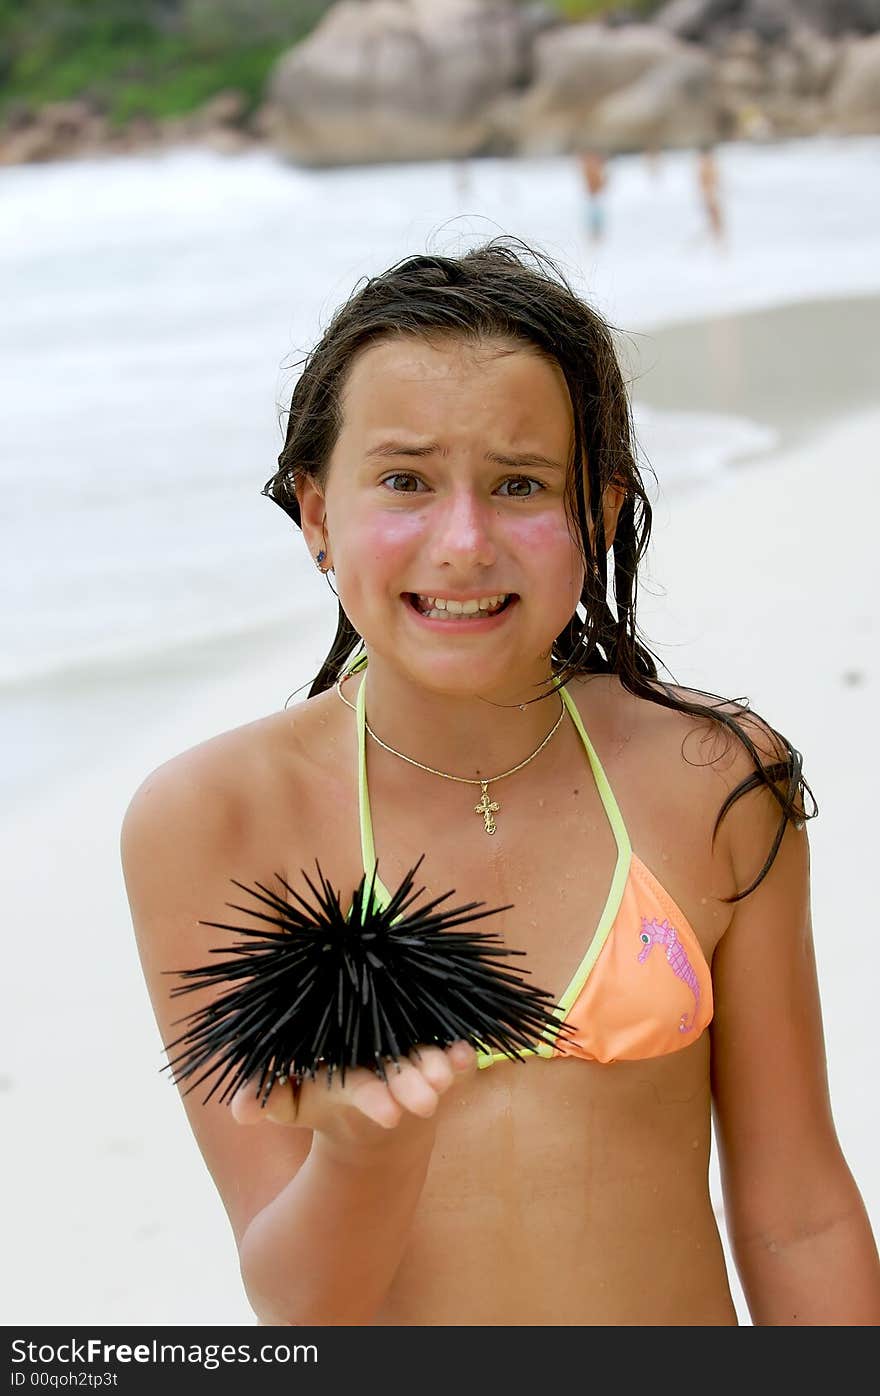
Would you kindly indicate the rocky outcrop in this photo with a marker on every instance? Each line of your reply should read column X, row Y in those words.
column 621, row 88
column 855, row 95
column 774, row 90
column 412, row 79
column 710, row 22
column 400, row 79
column 670, row 105
column 69, row 130
column 55, row 132
column 384, row 80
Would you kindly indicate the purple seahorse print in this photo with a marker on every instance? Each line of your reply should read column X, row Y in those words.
column 661, row 933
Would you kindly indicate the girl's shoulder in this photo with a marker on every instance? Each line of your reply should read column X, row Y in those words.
column 694, row 732
column 684, row 751
column 668, row 767
column 281, row 747
column 250, row 782
column 677, row 767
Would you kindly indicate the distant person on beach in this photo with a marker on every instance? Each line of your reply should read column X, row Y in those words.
column 653, row 158
column 594, row 173
column 461, row 174
column 708, row 183
column 643, row 844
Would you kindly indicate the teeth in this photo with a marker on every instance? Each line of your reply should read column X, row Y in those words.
column 427, row 604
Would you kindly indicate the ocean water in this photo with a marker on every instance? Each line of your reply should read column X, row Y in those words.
column 155, row 308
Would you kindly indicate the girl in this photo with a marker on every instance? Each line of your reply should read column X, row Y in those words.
column 459, row 456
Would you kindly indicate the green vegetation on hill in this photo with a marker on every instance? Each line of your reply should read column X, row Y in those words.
column 160, row 58
column 593, row 9
column 163, row 58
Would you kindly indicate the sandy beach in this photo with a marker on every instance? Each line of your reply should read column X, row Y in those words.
column 768, row 592
column 760, row 582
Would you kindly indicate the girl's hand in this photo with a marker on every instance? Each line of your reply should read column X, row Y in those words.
column 350, row 1113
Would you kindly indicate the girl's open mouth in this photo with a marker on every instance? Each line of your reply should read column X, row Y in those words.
column 469, row 613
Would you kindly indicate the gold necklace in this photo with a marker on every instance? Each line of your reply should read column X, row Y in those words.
column 487, row 808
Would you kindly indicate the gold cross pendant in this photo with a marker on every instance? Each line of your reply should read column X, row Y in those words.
column 487, row 807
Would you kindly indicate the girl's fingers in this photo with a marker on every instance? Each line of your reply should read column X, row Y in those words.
column 414, row 1088
column 411, row 1090
column 372, row 1098
column 462, row 1056
column 435, row 1067
column 281, row 1106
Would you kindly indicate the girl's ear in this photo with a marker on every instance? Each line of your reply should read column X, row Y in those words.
column 613, row 497
column 312, row 512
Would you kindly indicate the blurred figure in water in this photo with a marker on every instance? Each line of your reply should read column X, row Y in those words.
column 708, row 182
column 595, row 177
column 461, row 175
column 652, row 158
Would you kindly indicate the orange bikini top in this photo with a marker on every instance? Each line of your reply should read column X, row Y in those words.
column 643, row 988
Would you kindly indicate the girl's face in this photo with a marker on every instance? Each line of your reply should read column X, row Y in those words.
column 448, row 481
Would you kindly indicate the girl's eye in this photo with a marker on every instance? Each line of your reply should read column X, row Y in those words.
column 517, row 480
column 523, row 480
column 400, row 475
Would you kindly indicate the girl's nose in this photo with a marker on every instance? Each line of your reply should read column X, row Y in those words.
column 462, row 531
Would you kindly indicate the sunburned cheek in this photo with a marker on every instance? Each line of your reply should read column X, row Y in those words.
column 392, row 537
column 548, row 542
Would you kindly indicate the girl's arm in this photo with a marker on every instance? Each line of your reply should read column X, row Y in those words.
column 321, row 1210
column 796, row 1222
column 326, row 1249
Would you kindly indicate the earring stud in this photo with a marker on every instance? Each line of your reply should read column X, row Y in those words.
column 319, row 559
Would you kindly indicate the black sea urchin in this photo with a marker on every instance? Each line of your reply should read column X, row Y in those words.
column 325, row 989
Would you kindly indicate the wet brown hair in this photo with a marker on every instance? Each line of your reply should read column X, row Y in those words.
column 505, row 290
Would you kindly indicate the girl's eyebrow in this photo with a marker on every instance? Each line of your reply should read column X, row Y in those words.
column 399, row 448
column 527, row 458
column 515, row 462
